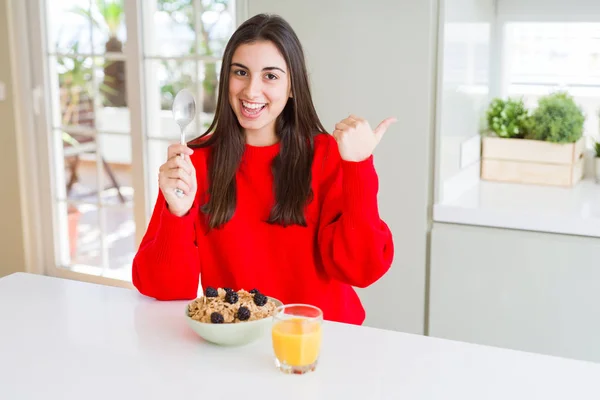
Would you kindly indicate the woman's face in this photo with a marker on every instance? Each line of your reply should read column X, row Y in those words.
column 259, row 87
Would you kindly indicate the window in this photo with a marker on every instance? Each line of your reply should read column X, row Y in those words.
column 544, row 57
column 111, row 69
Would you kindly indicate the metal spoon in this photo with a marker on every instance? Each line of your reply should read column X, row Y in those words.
column 184, row 111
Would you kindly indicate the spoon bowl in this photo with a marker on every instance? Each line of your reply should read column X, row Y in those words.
column 184, row 109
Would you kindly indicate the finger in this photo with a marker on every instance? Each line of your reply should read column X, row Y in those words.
column 191, row 168
column 337, row 134
column 177, row 162
column 161, row 182
column 178, row 148
column 178, row 184
column 183, row 164
column 342, row 126
column 181, row 174
column 172, row 163
column 383, row 126
column 175, row 173
column 356, row 118
column 164, row 183
column 350, row 122
column 189, row 180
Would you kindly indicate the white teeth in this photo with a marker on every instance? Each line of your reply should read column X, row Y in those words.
column 253, row 106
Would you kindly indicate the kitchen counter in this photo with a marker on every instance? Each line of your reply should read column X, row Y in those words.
column 570, row 211
column 62, row 339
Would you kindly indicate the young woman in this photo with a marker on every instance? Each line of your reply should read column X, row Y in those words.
column 271, row 201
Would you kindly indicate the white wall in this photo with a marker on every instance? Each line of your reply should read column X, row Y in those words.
column 376, row 59
column 463, row 87
column 530, row 291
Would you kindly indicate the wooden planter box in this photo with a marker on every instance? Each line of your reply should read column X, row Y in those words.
column 531, row 161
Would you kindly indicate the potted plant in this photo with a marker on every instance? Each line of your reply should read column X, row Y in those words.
column 542, row 147
column 508, row 118
column 557, row 119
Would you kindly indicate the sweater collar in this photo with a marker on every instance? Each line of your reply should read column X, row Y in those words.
column 266, row 153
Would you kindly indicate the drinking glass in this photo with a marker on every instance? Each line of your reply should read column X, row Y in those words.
column 296, row 334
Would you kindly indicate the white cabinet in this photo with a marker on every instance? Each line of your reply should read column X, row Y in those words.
column 522, row 290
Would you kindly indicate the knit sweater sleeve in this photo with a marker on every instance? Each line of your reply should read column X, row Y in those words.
column 356, row 246
column 167, row 265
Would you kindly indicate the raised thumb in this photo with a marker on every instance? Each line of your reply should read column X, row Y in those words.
column 383, row 126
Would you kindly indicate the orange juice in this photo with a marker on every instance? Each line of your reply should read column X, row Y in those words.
column 296, row 341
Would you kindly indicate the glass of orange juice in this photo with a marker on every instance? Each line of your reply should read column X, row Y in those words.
column 296, row 334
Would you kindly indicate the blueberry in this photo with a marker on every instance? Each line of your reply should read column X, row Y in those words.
column 216, row 318
column 243, row 313
column 260, row 299
column 231, row 297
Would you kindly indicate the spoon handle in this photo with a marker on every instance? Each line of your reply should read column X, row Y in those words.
column 179, row 192
column 182, row 139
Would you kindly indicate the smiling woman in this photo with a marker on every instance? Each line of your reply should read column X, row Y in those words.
column 271, row 200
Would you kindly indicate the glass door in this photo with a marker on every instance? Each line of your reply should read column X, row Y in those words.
column 105, row 75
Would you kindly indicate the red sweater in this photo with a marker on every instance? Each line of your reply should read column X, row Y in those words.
column 345, row 243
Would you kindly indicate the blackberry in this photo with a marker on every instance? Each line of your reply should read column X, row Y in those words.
column 228, row 289
column 216, row 318
column 231, row 297
column 254, row 291
column 243, row 313
column 211, row 292
column 260, row 299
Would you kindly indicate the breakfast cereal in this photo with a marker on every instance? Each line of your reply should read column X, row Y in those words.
column 224, row 305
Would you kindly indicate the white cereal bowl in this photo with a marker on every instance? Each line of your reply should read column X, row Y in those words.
column 237, row 334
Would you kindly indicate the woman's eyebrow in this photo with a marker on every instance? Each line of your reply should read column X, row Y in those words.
column 264, row 69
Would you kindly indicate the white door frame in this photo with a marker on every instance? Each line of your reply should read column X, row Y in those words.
column 27, row 146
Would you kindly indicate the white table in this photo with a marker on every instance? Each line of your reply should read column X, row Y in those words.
column 63, row 339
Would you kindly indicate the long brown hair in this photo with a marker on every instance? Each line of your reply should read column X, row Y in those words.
column 295, row 127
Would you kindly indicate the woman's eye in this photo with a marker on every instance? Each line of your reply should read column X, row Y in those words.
column 271, row 76
column 239, row 72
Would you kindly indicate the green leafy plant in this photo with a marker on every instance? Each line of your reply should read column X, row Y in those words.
column 508, row 118
column 108, row 16
column 209, row 42
column 557, row 119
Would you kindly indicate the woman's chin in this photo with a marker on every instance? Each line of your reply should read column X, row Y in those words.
column 250, row 125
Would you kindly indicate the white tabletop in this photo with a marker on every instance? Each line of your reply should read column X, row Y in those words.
column 63, row 339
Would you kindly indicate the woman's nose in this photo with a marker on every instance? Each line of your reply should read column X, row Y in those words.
column 253, row 88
